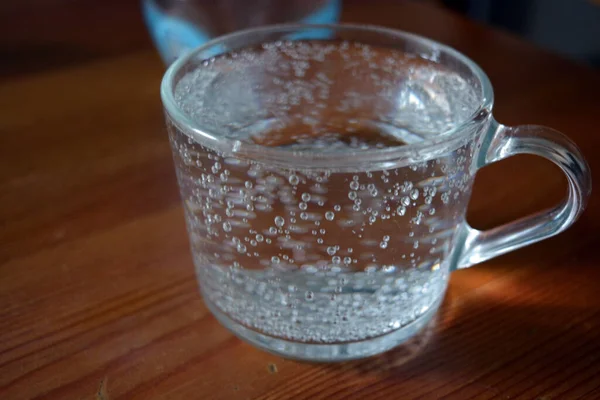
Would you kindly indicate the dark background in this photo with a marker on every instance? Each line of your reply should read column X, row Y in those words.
column 38, row 34
column 568, row 27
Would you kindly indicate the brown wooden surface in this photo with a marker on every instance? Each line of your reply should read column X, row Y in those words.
column 97, row 291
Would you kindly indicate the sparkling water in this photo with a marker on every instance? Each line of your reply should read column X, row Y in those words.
column 321, row 255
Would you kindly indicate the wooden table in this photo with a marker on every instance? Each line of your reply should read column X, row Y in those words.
column 97, row 291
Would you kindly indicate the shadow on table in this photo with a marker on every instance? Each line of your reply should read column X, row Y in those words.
column 496, row 340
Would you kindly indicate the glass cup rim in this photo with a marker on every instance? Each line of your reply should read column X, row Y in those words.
column 344, row 160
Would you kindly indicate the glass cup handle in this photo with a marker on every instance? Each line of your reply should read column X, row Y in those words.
column 502, row 142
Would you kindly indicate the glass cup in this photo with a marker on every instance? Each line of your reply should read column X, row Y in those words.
column 325, row 173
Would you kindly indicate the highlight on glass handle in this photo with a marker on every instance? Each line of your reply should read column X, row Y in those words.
column 503, row 142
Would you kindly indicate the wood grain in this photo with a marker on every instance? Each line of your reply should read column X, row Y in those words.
column 97, row 290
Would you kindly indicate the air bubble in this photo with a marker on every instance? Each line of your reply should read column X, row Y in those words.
column 388, row 268
column 305, row 197
column 279, row 221
column 331, row 250
column 226, row 226
column 369, row 269
column 354, row 185
column 445, row 198
column 329, row 215
column 294, row 180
